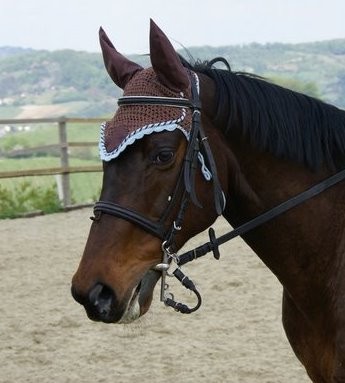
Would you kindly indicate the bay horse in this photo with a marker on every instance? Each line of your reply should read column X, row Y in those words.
column 190, row 142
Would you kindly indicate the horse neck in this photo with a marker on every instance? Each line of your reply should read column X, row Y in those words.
column 255, row 182
column 270, row 179
column 290, row 244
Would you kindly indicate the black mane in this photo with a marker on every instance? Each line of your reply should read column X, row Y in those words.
column 285, row 123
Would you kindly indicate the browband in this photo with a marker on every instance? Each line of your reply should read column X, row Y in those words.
column 153, row 100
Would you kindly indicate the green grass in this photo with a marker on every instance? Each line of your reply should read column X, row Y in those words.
column 47, row 134
column 28, row 198
column 42, row 162
column 85, row 187
column 7, row 111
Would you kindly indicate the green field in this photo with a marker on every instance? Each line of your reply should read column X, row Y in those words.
column 85, row 187
column 45, row 134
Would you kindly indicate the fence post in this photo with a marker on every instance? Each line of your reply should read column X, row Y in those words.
column 66, row 190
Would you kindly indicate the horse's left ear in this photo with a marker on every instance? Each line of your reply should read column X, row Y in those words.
column 166, row 62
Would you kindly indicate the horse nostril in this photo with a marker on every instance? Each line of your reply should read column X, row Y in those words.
column 101, row 298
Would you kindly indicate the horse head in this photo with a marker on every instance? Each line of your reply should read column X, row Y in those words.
column 152, row 179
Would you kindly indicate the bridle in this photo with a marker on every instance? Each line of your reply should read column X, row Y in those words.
column 185, row 192
column 197, row 143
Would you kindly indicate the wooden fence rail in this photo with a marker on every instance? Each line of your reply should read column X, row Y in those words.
column 62, row 146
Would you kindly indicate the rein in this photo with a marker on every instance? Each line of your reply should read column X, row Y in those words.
column 213, row 244
column 185, row 191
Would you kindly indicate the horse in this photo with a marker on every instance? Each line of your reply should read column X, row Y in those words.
column 190, row 142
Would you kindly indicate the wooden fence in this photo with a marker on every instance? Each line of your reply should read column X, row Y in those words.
column 62, row 146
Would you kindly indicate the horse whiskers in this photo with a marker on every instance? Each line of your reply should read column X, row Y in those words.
column 132, row 311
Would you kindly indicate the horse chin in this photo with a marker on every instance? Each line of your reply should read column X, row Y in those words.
column 141, row 297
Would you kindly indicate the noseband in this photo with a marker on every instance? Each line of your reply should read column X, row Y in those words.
column 197, row 147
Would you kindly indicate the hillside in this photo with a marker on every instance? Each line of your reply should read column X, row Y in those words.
column 321, row 64
column 76, row 83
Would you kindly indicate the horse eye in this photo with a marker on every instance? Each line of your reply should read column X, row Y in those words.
column 164, row 156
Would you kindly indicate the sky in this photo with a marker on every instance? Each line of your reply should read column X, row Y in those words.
column 74, row 24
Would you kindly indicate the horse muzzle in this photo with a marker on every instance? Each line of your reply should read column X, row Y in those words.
column 102, row 305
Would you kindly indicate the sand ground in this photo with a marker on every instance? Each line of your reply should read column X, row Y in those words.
column 45, row 336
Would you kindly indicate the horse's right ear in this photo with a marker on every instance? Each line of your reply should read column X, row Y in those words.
column 120, row 69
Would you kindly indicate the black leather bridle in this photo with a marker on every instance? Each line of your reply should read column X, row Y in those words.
column 185, row 192
column 197, row 144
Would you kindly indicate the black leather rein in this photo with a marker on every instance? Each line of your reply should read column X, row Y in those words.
column 213, row 244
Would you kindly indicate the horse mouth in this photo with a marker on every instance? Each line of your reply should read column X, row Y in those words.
column 141, row 297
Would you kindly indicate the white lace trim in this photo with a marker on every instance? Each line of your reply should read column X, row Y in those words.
column 146, row 130
column 134, row 136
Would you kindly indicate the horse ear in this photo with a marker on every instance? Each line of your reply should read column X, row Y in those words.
column 166, row 62
column 120, row 69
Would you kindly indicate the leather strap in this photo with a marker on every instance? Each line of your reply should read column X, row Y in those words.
column 155, row 228
column 259, row 220
column 187, row 177
column 151, row 100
